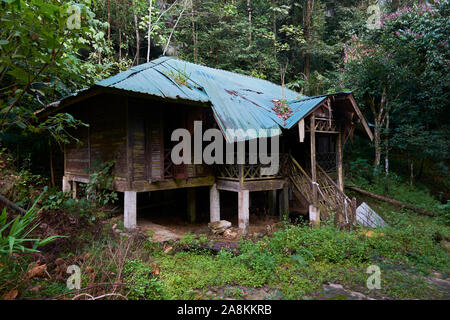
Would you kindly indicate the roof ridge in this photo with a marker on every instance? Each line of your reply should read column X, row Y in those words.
column 227, row 71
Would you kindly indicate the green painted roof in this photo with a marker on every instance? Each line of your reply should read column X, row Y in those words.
column 238, row 101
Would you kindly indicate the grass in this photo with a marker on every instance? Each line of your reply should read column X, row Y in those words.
column 294, row 263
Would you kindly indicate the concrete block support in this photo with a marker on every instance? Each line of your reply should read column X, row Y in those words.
column 191, row 204
column 243, row 204
column 65, row 184
column 214, row 203
column 130, row 209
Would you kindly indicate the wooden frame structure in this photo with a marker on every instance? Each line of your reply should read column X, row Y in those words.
column 132, row 130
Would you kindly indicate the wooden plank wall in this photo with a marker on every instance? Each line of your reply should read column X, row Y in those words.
column 104, row 140
column 130, row 132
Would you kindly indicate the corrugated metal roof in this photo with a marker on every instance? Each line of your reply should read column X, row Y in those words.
column 238, row 101
column 301, row 108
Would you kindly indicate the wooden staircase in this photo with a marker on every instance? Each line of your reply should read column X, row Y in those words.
column 330, row 199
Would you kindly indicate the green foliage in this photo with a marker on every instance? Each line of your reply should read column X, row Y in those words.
column 39, row 54
column 15, row 233
column 97, row 193
column 98, row 189
column 58, row 125
column 141, row 282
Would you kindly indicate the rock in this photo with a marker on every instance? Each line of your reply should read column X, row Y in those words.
column 219, row 227
column 229, row 234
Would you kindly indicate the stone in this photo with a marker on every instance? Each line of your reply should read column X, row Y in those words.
column 229, row 234
column 219, row 227
column 367, row 217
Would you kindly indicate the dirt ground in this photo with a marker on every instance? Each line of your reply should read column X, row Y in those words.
column 174, row 228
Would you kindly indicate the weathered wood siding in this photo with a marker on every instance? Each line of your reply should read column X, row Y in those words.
column 132, row 132
column 104, row 139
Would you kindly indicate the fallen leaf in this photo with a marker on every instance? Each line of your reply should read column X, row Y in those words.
column 37, row 271
column 168, row 249
column 156, row 270
column 371, row 234
column 11, row 295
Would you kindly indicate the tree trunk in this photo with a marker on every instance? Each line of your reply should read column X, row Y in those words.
column 376, row 141
column 307, row 33
column 386, row 156
column 149, row 29
column 136, row 27
column 411, row 171
column 249, row 10
column 120, row 44
column 173, row 30
column 194, row 32
column 393, row 201
column 52, row 172
column 109, row 19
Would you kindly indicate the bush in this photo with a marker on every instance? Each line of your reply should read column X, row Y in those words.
column 256, row 256
column 19, row 229
column 141, row 282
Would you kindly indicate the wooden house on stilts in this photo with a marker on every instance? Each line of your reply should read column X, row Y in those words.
column 133, row 115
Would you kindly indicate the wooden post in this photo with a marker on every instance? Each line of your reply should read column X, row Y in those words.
column 243, row 215
column 284, row 204
column 352, row 218
column 130, row 209
column 74, row 189
column 191, row 204
column 313, row 157
column 340, row 170
column 129, row 145
column 272, row 202
column 214, row 203
column 314, row 212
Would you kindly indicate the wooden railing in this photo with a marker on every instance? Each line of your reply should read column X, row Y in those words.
column 247, row 172
column 330, row 199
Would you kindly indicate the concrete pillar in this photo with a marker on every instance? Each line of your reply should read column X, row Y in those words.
column 243, row 204
column 284, row 204
column 214, row 203
column 130, row 209
column 191, row 204
column 272, row 202
column 65, row 184
column 74, row 189
column 314, row 215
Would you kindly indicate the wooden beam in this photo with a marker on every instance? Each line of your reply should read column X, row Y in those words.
column 339, row 165
column 284, row 204
column 360, row 115
column 301, row 130
column 129, row 145
column 313, row 157
column 272, row 202
column 257, row 185
column 191, row 208
column 167, row 184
